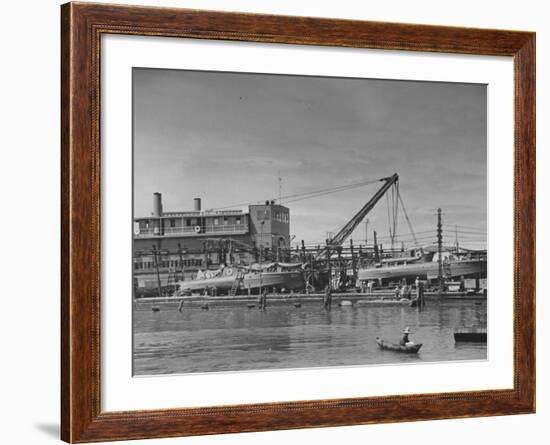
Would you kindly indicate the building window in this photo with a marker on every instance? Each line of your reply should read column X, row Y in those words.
column 216, row 221
column 188, row 222
column 225, row 220
column 172, row 223
column 263, row 215
column 238, row 220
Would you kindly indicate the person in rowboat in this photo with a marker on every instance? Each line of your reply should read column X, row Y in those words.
column 405, row 339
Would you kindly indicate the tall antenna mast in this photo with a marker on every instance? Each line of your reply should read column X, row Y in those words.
column 280, row 186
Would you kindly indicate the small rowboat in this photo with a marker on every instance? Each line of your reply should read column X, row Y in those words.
column 410, row 348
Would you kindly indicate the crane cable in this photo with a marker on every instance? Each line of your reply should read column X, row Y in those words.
column 407, row 218
column 392, row 217
column 306, row 195
column 389, row 219
column 394, row 194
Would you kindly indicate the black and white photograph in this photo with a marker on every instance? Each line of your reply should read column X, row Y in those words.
column 285, row 221
column 290, row 222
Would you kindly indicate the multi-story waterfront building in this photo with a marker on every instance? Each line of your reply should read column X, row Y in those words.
column 200, row 239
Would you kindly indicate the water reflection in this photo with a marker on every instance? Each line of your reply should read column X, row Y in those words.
column 238, row 338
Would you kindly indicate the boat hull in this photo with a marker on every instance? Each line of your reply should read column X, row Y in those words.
column 220, row 283
column 423, row 270
column 412, row 349
column 471, row 335
column 279, row 280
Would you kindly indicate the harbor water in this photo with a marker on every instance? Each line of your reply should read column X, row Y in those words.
column 238, row 338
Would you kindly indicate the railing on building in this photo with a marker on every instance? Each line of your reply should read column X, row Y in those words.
column 191, row 230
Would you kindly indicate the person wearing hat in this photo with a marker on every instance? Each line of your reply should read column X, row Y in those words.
column 405, row 339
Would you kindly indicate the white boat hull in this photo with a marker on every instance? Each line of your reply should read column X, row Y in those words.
column 423, row 270
column 255, row 280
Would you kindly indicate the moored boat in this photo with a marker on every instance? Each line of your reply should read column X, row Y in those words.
column 278, row 276
column 277, row 280
column 475, row 334
column 411, row 348
column 424, row 266
column 221, row 280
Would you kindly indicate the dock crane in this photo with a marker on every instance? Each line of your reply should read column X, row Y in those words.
column 347, row 230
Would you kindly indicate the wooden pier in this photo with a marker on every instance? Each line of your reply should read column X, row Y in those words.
column 378, row 298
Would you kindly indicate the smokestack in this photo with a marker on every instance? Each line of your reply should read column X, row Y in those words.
column 197, row 204
column 157, row 204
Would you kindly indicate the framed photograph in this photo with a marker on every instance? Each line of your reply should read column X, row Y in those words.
column 274, row 222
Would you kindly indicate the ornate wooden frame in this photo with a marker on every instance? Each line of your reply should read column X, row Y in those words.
column 81, row 28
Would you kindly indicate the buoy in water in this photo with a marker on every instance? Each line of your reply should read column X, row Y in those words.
column 297, row 304
column 205, row 307
column 250, row 306
column 155, row 309
column 345, row 303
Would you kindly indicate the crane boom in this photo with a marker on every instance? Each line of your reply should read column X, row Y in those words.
column 352, row 224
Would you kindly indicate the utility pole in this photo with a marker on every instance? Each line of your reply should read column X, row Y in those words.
column 366, row 231
column 206, row 246
column 439, row 250
column 329, row 266
column 261, row 246
column 181, row 263
column 376, row 254
column 456, row 238
column 353, row 268
column 159, row 287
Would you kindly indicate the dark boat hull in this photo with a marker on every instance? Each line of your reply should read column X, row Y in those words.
column 280, row 280
column 412, row 349
column 471, row 335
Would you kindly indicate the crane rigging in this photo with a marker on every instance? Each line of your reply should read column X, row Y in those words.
column 390, row 182
column 303, row 195
column 352, row 224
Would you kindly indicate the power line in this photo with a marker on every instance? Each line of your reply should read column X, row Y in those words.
column 479, row 229
column 306, row 195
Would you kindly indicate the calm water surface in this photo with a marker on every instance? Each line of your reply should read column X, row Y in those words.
column 233, row 338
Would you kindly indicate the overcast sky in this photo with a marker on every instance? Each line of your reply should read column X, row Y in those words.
column 224, row 137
